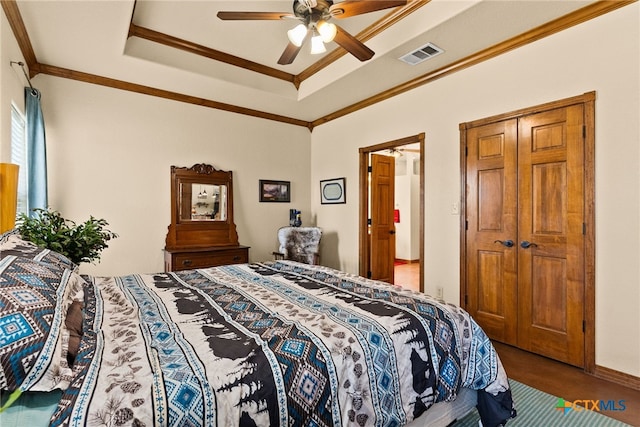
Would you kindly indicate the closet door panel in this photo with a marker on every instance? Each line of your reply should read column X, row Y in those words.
column 550, row 234
column 492, row 228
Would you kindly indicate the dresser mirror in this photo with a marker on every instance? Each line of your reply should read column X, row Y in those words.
column 202, row 202
column 201, row 208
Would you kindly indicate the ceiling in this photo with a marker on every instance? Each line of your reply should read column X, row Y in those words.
column 182, row 47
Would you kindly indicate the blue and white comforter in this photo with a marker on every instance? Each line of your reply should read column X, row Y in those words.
column 269, row 344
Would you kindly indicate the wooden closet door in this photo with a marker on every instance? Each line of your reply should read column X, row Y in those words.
column 491, row 253
column 551, row 234
column 525, row 242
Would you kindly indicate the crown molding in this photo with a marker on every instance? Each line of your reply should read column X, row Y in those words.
column 584, row 14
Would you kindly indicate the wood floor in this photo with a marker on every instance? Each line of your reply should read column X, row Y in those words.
column 407, row 275
column 568, row 382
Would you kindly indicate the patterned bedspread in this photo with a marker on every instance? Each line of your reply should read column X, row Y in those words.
column 269, row 344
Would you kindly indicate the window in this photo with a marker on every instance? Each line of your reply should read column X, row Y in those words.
column 19, row 156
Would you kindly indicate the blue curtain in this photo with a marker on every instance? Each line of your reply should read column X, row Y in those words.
column 36, row 152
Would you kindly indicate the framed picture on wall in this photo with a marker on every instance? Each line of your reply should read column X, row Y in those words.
column 275, row 191
column 333, row 191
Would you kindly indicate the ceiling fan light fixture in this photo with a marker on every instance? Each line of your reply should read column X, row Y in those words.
column 309, row 4
column 317, row 45
column 314, row 15
column 327, row 31
column 395, row 152
column 297, row 34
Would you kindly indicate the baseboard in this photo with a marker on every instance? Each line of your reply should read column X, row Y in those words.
column 617, row 377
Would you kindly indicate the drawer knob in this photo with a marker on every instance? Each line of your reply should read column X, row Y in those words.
column 236, row 258
column 186, row 262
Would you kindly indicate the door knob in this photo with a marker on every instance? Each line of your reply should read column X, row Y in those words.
column 507, row 243
column 392, row 231
column 526, row 245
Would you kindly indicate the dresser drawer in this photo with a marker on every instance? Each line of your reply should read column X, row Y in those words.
column 176, row 261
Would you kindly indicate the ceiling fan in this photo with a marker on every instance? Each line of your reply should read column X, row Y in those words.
column 314, row 16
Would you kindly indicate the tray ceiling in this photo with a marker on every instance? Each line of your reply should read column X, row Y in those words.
column 182, row 47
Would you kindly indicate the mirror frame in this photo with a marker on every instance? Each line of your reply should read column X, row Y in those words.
column 200, row 234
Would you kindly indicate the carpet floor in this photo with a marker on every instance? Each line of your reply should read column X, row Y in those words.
column 536, row 408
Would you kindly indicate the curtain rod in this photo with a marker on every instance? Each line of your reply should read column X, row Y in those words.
column 21, row 64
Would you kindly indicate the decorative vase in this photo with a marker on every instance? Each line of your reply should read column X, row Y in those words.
column 292, row 217
column 295, row 218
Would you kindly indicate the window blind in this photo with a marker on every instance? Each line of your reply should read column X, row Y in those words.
column 19, row 156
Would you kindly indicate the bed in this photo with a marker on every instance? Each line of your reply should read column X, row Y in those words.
column 275, row 343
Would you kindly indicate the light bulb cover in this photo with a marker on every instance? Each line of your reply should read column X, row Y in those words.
column 297, row 34
column 327, row 31
column 317, row 46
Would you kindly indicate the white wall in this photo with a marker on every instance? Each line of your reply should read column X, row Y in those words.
column 12, row 82
column 110, row 153
column 601, row 55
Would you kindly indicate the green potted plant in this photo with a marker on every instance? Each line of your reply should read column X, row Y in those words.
column 78, row 242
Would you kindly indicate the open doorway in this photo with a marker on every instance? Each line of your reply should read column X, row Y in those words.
column 411, row 152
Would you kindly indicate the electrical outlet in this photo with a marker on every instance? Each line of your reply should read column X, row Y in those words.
column 440, row 292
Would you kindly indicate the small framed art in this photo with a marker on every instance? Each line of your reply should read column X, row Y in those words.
column 275, row 191
column 333, row 191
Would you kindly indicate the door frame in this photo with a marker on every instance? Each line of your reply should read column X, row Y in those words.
column 588, row 100
column 364, row 200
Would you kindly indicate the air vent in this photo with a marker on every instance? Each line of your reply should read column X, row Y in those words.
column 423, row 53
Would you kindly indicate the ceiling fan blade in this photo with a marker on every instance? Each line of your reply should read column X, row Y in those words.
column 289, row 54
column 352, row 45
column 349, row 8
column 291, row 51
column 241, row 16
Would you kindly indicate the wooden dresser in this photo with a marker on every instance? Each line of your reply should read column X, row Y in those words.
column 202, row 232
column 185, row 259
